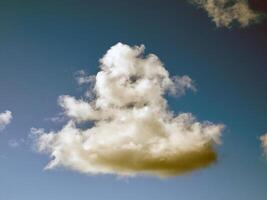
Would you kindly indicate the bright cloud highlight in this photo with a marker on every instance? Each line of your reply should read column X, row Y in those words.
column 133, row 131
column 5, row 119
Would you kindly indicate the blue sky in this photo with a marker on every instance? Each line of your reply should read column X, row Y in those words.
column 43, row 43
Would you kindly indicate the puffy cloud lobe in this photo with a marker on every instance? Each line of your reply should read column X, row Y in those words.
column 226, row 12
column 133, row 131
column 264, row 143
column 5, row 119
column 77, row 109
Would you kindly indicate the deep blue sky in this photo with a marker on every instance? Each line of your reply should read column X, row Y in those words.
column 43, row 43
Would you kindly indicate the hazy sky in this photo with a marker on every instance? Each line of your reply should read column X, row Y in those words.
column 43, row 45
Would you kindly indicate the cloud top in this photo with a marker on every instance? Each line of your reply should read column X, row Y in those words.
column 5, row 119
column 226, row 12
column 133, row 130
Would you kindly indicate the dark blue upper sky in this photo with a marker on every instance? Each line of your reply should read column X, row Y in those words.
column 43, row 43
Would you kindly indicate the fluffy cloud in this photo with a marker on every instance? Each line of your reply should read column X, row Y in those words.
column 264, row 143
column 226, row 12
column 133, row 130
column 5, row 119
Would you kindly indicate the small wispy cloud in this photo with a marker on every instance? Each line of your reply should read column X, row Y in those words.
column 82, row 78
column 88, row 80
column 5, row 119
column 133, row 131
column 15, row 143
column 263, row 139
column 226, row 12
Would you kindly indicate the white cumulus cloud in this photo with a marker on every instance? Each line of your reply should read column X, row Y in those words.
column 133, row 130
column 264, row 143
column 226, row 12
column 5, row 119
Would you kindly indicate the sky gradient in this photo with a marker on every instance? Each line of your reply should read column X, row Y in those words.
column 43, row 44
